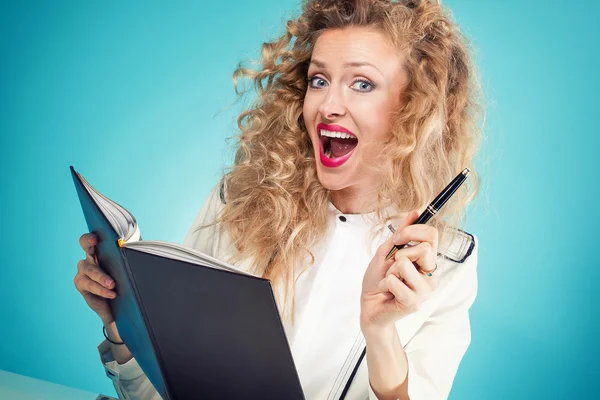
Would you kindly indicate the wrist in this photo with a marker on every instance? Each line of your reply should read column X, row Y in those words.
column 110, row 326
column 378, row 333
column 387, row 361
column 112, row 333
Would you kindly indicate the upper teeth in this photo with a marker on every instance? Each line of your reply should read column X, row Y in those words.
column 341, row 135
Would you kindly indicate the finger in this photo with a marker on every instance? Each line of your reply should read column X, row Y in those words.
column 403, row 296
column 92, row 259
column 410, row 218
column 414, row 280
column 96, row 274
column 86, row 285
column 422, row 254
column 424, row 259
column 88, row 241
column 385, row 248
column 405, row 270
column 417, row 233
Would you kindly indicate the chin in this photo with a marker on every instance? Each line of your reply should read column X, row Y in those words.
column 332, row 180
column 329, row 185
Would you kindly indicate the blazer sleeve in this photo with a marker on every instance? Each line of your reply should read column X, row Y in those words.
column 435, row 351
column 129, row 380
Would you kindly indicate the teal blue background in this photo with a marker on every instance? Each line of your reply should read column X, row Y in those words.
column 138, row 96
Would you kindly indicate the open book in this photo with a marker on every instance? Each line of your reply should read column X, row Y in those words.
column 126, row 227
column 197, row 326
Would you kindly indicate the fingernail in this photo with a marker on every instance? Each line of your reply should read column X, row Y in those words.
column 108, row 281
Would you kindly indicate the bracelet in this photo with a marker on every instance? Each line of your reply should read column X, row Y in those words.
column 107, row 338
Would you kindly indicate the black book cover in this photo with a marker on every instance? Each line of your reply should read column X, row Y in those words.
column 196, row 331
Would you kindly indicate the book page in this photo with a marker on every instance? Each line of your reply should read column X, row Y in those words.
column 182, row 253
column 122, row 221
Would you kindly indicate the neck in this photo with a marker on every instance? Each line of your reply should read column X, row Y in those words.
column 354, row 201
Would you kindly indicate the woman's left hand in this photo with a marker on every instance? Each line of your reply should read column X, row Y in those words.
column 397, row 287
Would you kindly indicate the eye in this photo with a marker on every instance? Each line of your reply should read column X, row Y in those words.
column 363, row 85
column 316, row 82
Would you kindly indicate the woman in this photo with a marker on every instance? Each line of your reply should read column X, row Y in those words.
column 365, row 111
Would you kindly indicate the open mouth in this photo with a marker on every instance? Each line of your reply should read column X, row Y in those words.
column 337, row 144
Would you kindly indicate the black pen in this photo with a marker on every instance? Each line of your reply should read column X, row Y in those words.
column 435, row 205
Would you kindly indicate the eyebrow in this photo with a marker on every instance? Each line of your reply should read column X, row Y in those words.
column 321, row 64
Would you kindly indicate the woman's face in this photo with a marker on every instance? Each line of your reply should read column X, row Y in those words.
column 355, row 83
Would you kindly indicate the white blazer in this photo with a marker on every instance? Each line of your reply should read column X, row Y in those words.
column 325, row 339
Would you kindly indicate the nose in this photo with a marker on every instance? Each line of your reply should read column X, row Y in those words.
column 333, row 105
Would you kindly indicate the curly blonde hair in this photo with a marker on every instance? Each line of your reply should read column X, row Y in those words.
column 276, row 208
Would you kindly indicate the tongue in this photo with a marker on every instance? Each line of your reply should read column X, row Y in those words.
column 341, row 147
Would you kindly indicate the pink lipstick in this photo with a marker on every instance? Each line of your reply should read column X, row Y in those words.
column 336, row 144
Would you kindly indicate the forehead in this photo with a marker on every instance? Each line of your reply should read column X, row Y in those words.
column 336, row 47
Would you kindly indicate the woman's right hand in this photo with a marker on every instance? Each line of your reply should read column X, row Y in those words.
column 94, row 284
